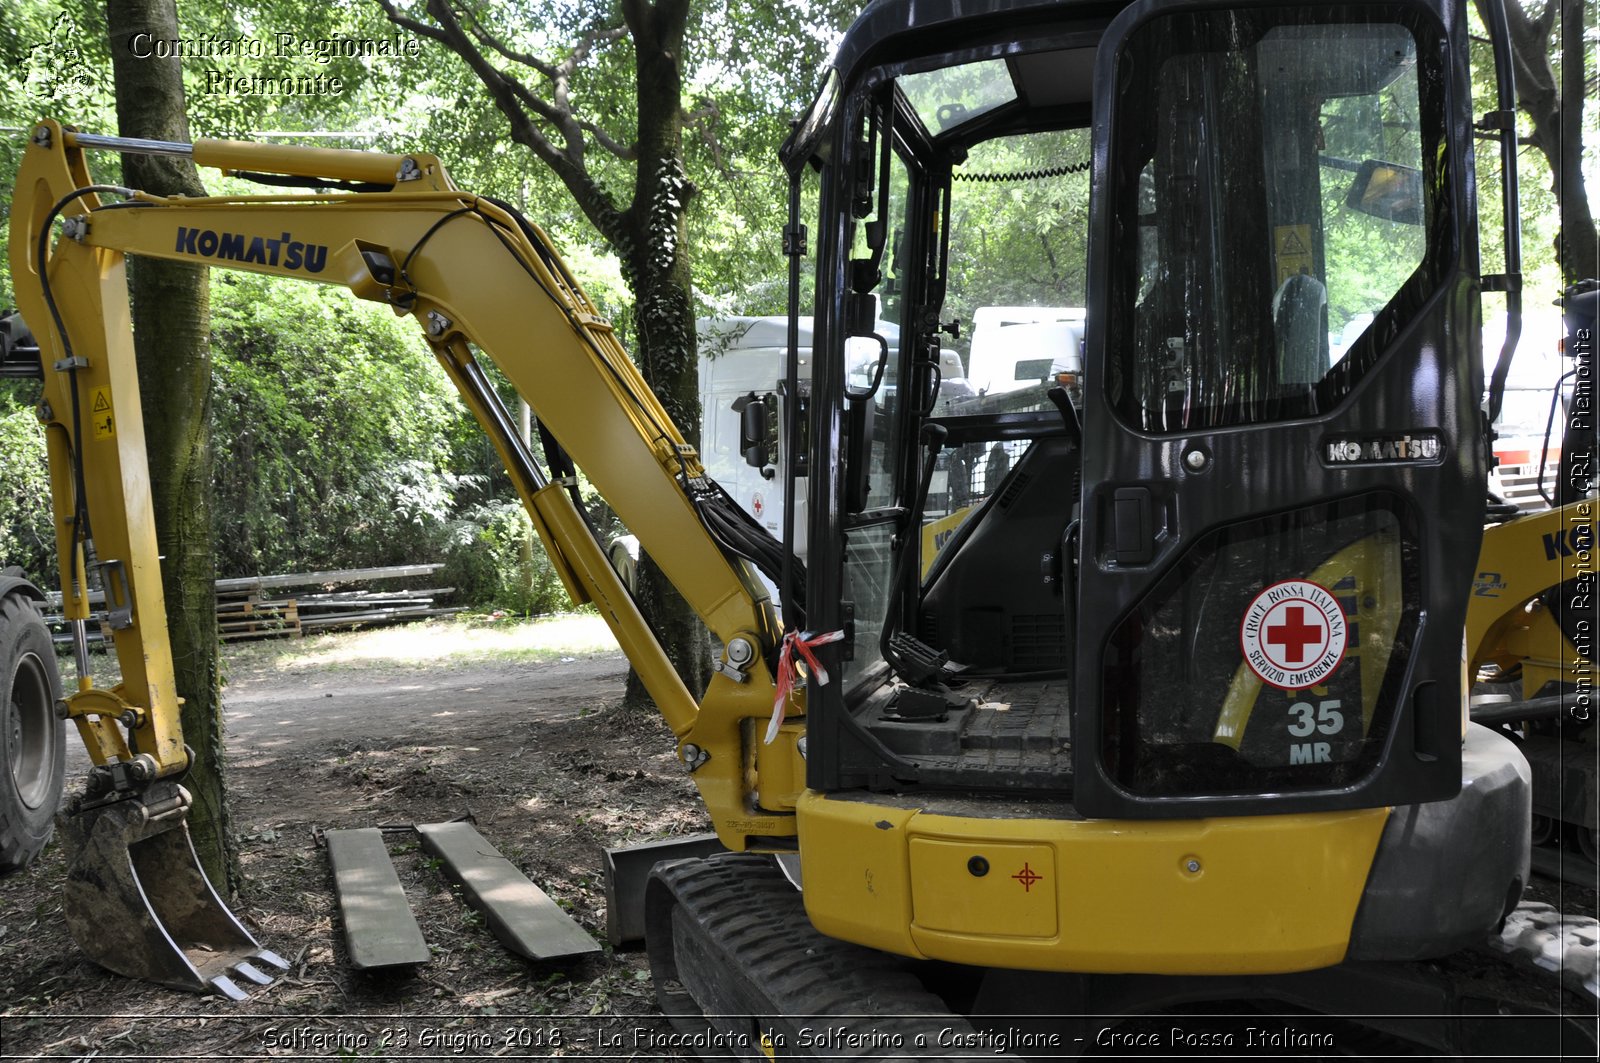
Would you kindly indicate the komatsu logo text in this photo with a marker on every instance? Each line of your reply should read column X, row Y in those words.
column 283, row 251
column 1417, row 446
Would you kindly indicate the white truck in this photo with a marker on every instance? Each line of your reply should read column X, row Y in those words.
column 742, row 368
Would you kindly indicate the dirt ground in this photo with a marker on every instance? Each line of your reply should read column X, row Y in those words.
column 540, row 754
column 414, row 725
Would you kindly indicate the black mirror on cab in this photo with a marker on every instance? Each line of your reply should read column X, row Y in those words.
column 755, row 429
column 1387, row 190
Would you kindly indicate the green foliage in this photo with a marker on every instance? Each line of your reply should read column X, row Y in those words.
column 1020, row 241
column 27, row 535
column 495, row 561
column 334, row 431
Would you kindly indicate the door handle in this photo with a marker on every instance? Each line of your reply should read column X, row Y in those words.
column 1132, row 526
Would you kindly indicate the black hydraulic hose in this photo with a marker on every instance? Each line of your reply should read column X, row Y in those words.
column 80, row 502
column 738, row 533
column 1544, row 449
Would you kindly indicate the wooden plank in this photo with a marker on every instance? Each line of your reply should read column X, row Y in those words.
column 307, row 579
column 378, row 925
column 363, row 618
column 386, row 602
column 521, row 915
column 241, row 585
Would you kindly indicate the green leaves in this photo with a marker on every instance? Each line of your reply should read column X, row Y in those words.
column 27, row 534
column 334, row 428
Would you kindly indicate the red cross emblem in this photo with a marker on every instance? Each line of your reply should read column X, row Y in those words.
column 1293, row 634
column 1027, row 876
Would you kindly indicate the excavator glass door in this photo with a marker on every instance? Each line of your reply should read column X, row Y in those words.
column 1281, row 425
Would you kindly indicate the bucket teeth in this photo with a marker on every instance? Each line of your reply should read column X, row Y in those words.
column 139, row 904
column 225, row 986
column 269, row 958
column 250, row 974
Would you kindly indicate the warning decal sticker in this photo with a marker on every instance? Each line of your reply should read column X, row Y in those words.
column 100, row 414
column 1291, row 251
column 1293, row 635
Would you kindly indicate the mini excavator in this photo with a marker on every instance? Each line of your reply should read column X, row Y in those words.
column 1189, row 661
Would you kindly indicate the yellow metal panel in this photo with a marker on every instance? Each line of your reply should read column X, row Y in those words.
column 853, row 861
column 1258, row 894
column 780, row 768
column 936, row 533
column 1001, row 889
column 1520, row 560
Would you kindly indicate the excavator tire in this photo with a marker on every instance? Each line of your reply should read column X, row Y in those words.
column 742, row 974
column 33, row 746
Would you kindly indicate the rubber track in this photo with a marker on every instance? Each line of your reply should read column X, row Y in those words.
column 748, row 917
column 753, row 925
column 1564, row 946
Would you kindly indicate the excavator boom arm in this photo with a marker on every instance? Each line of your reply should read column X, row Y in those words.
column 476, row 276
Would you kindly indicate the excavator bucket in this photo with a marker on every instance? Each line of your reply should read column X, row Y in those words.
column 138, row 902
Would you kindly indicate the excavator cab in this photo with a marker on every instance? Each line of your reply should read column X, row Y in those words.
column 1219, row 580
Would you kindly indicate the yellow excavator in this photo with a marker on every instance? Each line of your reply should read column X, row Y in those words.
column 1177, row 715
column 1534, row 613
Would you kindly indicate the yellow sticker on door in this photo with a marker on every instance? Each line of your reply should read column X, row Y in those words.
column 100, row 414
column 1291, row 249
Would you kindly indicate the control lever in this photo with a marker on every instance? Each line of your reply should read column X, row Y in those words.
column 894, row 643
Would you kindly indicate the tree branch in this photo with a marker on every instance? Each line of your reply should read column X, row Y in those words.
column 524, row 58
column 405, row 23
column 703, row 120
column 523, row 109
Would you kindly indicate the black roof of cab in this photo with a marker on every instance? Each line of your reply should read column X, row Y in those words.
column 890, row 30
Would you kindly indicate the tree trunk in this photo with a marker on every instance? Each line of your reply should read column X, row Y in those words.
column 656, row 265
column 647, row 235
column 1579, row 248
column 171, row 324
column 1556, row 115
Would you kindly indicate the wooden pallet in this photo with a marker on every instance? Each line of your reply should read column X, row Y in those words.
column 256, row 607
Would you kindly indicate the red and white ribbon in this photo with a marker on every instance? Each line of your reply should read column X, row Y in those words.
column 801, row 644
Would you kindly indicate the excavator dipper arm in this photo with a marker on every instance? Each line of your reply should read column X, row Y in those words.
column 478, row 278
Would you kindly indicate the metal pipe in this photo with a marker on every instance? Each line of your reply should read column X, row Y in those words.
column 1506, row 102
column 330, row 163
column 129, row 144
column 80, row 650
column 793, row 612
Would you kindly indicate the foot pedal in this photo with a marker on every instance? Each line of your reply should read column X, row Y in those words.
column 378, row 925
column 521, row 915
column 918, row 663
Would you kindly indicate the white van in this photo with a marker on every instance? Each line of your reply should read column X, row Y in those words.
column 1018, row 347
